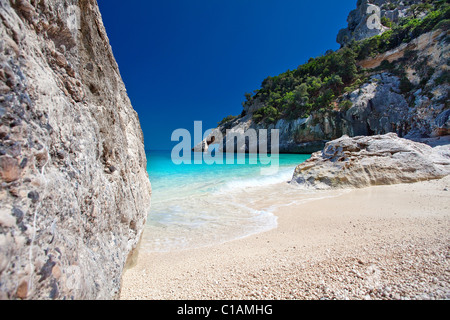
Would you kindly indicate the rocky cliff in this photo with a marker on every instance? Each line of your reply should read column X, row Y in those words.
column 376, row 160
column 74, row 189
column 366, row 20
column 397, row 82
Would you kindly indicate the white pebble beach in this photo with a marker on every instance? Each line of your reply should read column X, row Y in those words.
column 381, row 242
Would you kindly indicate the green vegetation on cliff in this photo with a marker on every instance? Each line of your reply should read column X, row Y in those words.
column 405, row 31
column 317, row 85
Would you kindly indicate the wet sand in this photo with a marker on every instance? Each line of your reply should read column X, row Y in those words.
column 382, row 242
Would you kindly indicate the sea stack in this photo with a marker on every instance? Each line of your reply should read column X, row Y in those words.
column 74, row 189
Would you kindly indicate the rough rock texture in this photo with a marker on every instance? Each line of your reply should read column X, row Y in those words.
column 241, row 127
column 378, row 107
column 377, row 160
column 431, row 44
column 428, row 113
column 74, row 189
column 358, row 19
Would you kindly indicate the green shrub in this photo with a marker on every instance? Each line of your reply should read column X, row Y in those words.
column 444, row 25
column 386, row 22
column 257, row 117
column 227, row 119
column 345, row 105
column 410, row 55
column 386, row 65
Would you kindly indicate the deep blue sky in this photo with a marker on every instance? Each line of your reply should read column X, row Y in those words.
column 188, row 60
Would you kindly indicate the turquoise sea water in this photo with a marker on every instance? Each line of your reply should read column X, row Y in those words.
column 199, row 205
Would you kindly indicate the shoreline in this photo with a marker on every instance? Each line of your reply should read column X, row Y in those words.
column 381, row 242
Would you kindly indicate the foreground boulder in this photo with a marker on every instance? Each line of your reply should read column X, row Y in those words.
column 74, row 191
column 376, row 160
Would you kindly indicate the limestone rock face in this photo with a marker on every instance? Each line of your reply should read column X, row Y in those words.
column 378, row 107
column 378, row 160
column 74, row 189
column 361, row 24
column 288, row 136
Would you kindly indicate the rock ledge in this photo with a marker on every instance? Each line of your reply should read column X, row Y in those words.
column 377, row 160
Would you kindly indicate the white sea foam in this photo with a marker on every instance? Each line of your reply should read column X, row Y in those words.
column 239, row 184
column 202, row 206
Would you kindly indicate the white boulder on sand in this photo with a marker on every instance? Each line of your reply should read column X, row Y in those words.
column 375, row 160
